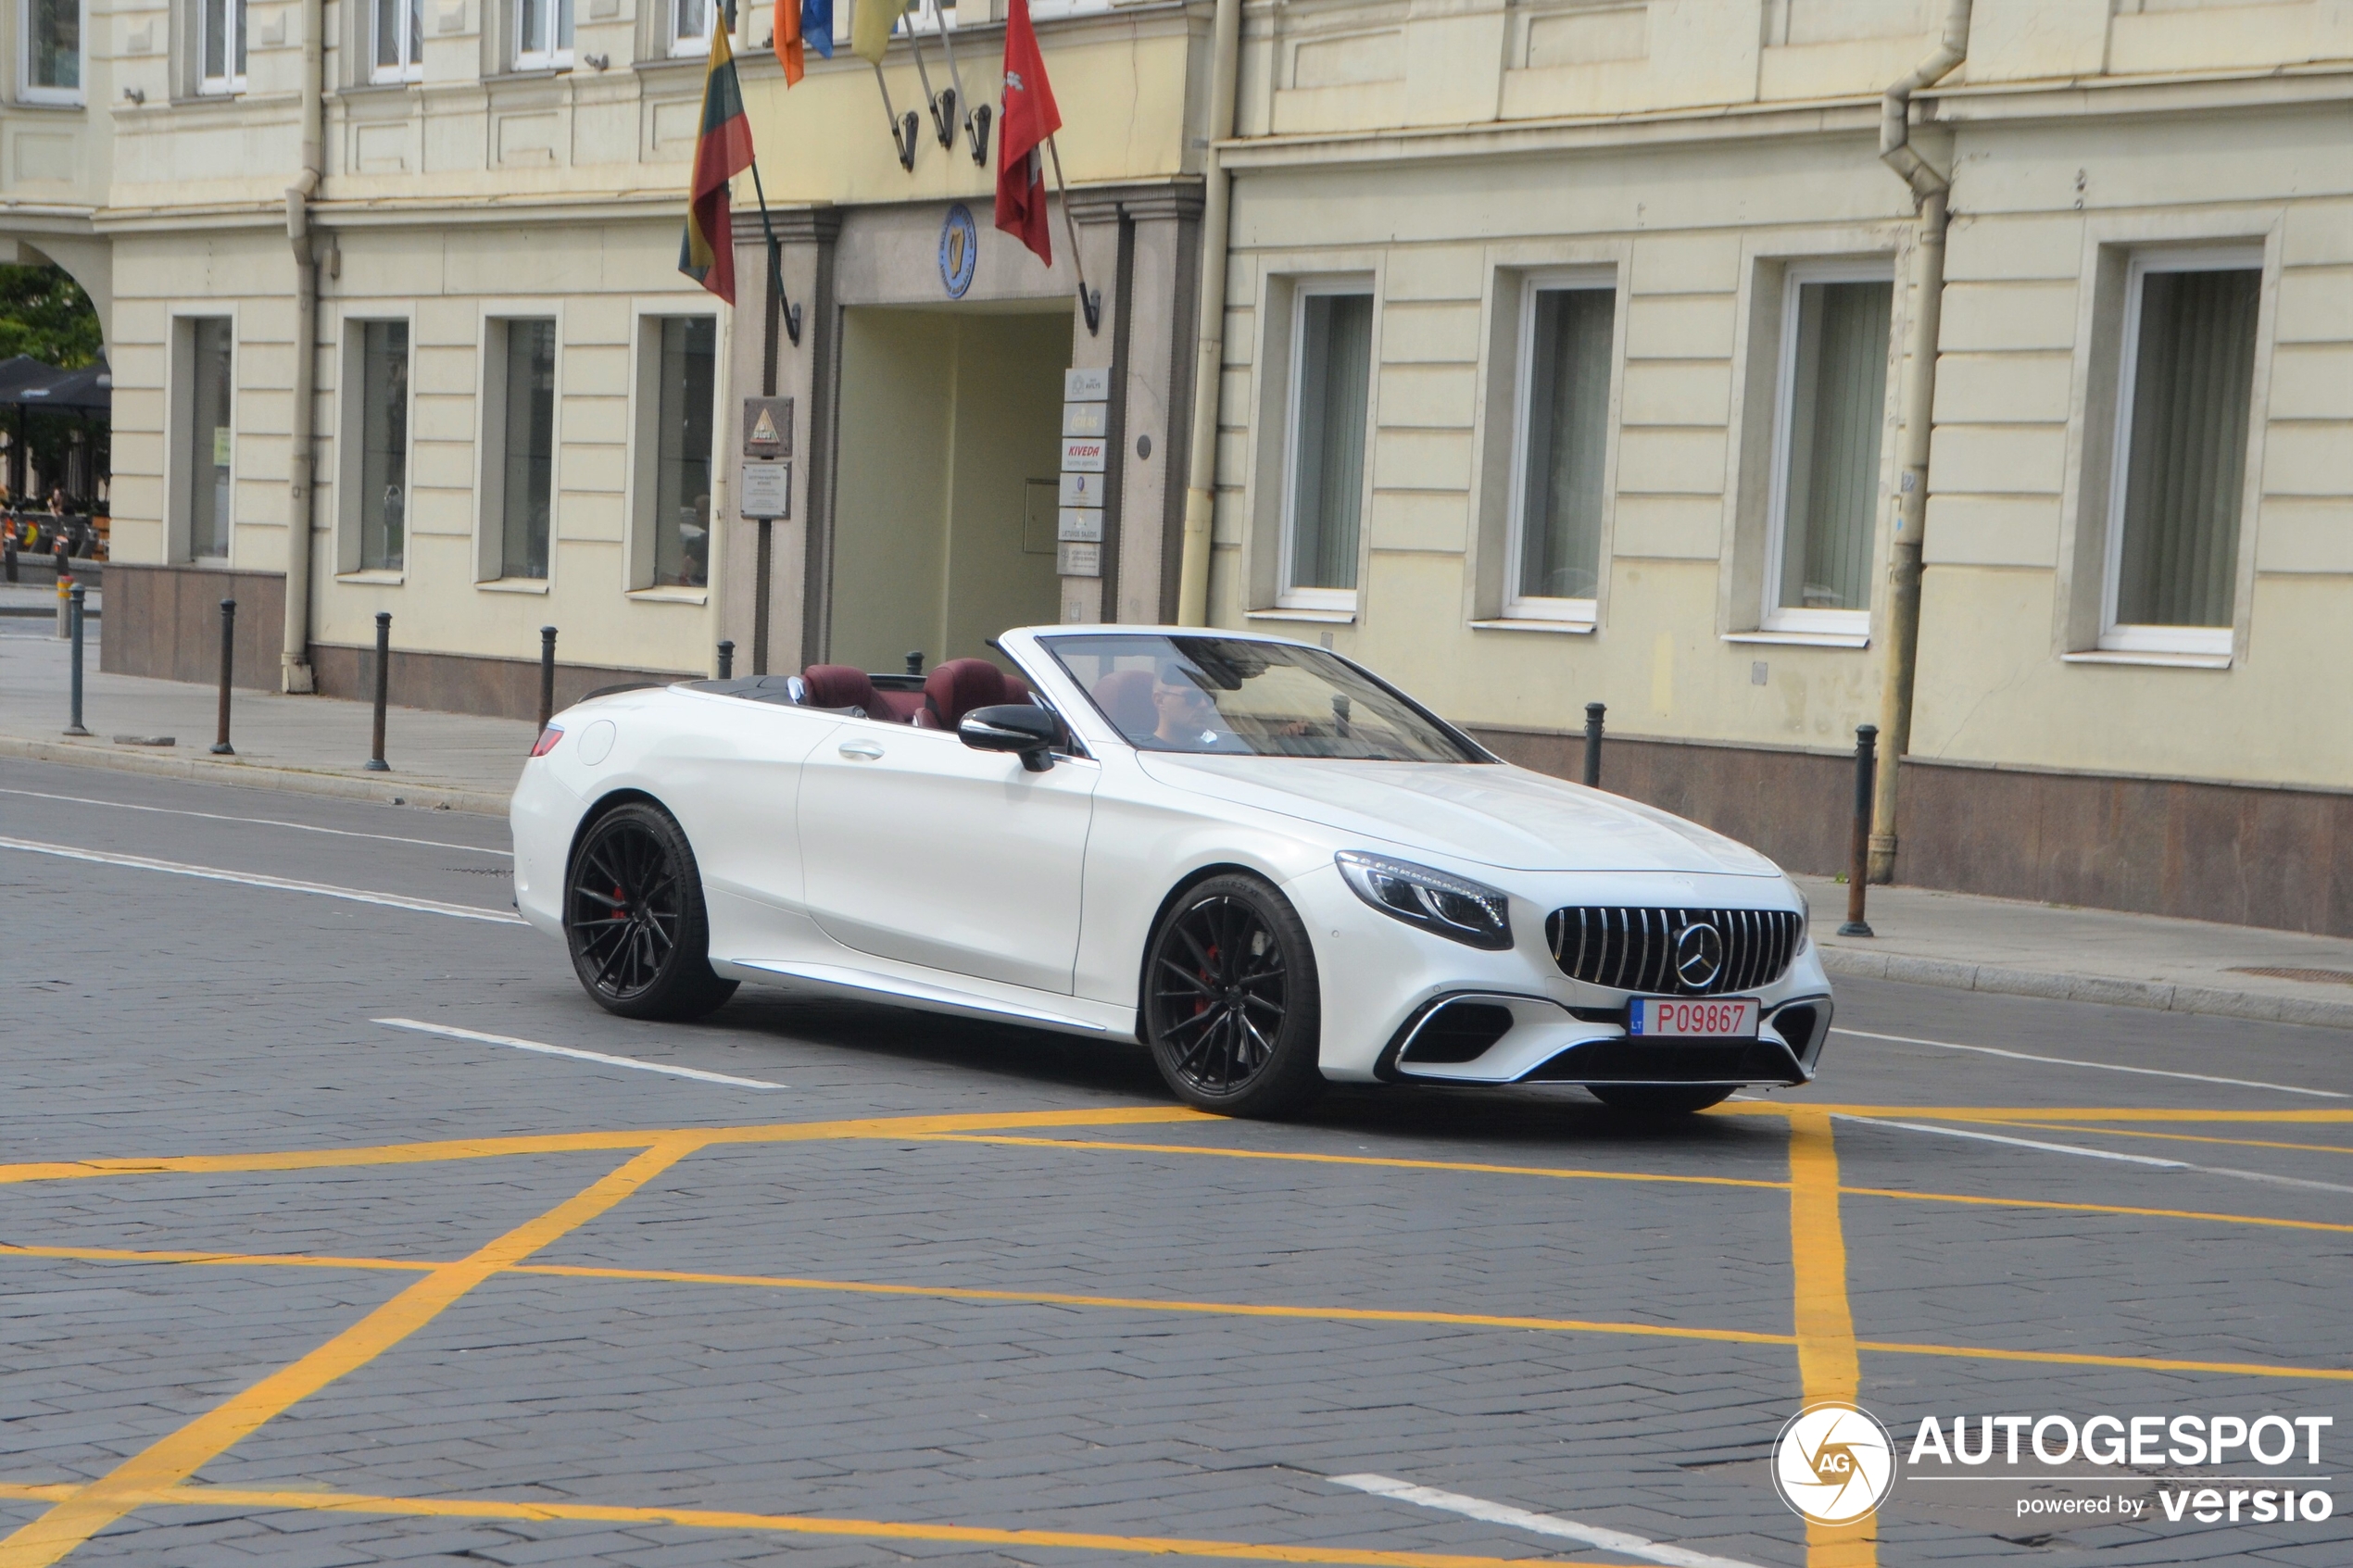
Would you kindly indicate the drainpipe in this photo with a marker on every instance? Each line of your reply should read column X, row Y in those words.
column 1201, row 490
column 293, row 657
column 1930, row 190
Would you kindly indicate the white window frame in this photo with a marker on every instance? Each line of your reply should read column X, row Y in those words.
column 554, row 56
column 1329, row 600
column 1516, row 607
column 490, row 555
column 1774, row 616
column 686, row 46
column 2122, row 638
column 27, row 92
column 351, row 442
column 179, row 431
column 406, row 68
column 233, row 12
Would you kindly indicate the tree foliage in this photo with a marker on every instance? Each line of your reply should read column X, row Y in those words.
column 45, row 314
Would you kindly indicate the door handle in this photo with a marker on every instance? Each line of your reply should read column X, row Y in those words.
column 864, row 748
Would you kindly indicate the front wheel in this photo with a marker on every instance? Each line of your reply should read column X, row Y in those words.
column 1232, row 1011
column 634, row 918
column 1659, row 1099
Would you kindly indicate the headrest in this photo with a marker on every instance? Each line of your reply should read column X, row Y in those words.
column 839, row 685
column 960, row 685
column 1125, row 697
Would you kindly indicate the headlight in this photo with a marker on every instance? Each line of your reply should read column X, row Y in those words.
column 1805, row 919
column 1453, row 907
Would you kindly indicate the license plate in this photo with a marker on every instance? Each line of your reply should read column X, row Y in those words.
column 1693, row 1018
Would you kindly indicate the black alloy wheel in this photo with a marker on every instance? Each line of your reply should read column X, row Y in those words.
column 1660, row 1100
column 634, row 918
column 1232, row 1008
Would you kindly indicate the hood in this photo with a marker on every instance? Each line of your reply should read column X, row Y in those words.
column 1494, row 813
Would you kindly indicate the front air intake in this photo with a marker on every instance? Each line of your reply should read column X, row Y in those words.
column 1674, row 952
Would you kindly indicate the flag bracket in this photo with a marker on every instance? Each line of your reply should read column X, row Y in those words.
column 977, row 124
column 903, row 128
column 977, row 116
column 790, row 311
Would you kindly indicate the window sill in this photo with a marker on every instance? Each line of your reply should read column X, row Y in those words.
column 671, row 596
column 373, row 579
column 1321, row 616
column 513, row 585
column 2149, row 657
column 1803, row 639
column 26, row 101
column 1557, row 628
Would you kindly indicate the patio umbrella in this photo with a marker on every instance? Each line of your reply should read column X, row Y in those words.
column 87, row 390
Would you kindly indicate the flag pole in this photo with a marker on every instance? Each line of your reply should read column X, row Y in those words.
column 775, row 262
column 906, row 145
column 943, row 122
column 1089, row 300
column 976, row 119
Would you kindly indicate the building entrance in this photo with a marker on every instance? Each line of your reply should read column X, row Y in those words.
column 945, row 507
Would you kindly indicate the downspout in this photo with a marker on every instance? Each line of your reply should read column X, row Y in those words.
column 1209, row 368
column 293, row 657
column 1930, row 190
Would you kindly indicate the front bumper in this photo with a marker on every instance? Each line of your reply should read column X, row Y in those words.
column 1546, row 1043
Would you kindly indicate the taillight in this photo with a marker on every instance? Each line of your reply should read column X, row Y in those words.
column 547, row 739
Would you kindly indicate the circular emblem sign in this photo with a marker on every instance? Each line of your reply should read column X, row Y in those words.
column 959, row 250
column 1833, row 1463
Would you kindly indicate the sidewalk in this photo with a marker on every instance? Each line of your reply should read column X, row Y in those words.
column 317, row 744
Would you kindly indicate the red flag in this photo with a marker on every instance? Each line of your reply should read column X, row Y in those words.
column 723, row 150
column 1029, row 117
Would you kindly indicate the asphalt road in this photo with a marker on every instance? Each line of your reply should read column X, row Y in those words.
column 282, row 1283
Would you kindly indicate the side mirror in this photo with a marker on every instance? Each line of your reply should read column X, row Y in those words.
column 1019, row 727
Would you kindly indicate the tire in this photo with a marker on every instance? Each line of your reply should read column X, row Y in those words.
column 634, row 918
column 1659, row 1099
column 1232, row 1007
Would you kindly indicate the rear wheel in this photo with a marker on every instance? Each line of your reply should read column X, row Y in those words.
column 1659, row 1099
column 1232, row 1010
column 634, row 918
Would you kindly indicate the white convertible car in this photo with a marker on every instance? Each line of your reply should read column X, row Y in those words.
column 1260, row 860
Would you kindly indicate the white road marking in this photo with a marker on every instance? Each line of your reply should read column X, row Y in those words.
column 545, row 1050
column 1538, row 1524
column 2103, row 1066
column 254, row 879
column 2263, row 1176
column 261, row 822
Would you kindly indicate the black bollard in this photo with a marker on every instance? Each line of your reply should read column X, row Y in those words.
column 75, row 727
column 726, row 658
column 376, row 764
column 1593, row 711
column 547, row 681
column 8, row 552
column 221, row 746
column 1858, row 855
column 915, row 661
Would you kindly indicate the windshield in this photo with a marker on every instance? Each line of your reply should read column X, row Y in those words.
column 1232, row 695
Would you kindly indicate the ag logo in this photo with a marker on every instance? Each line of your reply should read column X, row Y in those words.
column 1833, row 1463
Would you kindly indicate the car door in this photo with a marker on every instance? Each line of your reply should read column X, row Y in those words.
column 733, row 780
column 917, row 847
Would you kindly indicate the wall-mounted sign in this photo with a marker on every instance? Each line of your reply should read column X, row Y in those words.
column 1086, row 386
column 959, row 250
column 765, row 490
column 1081, row 560
column 1085, row 419
column 767, row 427
column 1083, row 490
column 1085, row 454
column 1080, row 525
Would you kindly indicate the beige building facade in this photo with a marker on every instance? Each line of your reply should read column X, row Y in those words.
column 1569, row 356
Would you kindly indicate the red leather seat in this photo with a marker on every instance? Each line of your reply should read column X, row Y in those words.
column 839, row 685
column 957, row 687
column 1125, row 697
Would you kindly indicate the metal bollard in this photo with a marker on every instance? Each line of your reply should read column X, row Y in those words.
column 726, row 658
column 221, row 746
column 65, row 614
column 75, row 727
column 376, row 764
column 914, row 662
column 8, row 552
column 547, row 681
column 1858, row 854
column 1593, row 711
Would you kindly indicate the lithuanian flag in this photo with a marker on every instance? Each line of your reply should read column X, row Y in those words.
column 723, row 150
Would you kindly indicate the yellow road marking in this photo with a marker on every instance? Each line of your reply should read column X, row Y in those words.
column 2128, row 1363
column 173, row 1459
column 567, row 1143
column 2261, row 1220
column 1124, row 1146
column 182, row 1255
column 797, row 1524
column 2031, row 1112
column 1827, row 1364
column 2186, row 1137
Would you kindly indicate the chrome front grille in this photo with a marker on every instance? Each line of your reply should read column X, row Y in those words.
column 1663, row 951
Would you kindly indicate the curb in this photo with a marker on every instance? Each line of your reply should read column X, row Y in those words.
column 249, row 775
column 2211, row 1000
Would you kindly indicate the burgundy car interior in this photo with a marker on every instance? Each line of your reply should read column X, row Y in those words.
column 948, row 692
column 956, row 688
column 1125, row 697
column 839, row 685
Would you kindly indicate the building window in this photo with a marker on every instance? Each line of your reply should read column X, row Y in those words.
column 518, row 492
column 2185, row 384
column 1829, row 415
column 397, row 53
column 51, row 51
column 382, row 412
column 1566, row 338
column 543, row 34
column 690, row 26
column 220, row 45
column 207, row 382
column 680, row 522
column 1323, row 491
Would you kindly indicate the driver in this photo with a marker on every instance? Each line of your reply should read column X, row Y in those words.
column 1189, row 718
